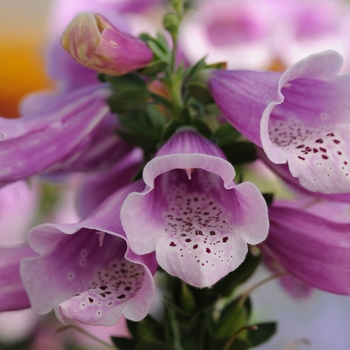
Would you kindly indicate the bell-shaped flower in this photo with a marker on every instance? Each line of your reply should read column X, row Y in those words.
column 311, row 248
column 86, row 271
column 299, row 117
column 95, row 43
column 52, row 137
column 192, row 214
column 12, row 293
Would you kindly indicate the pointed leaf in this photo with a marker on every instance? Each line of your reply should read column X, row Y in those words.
column 264, row 332
column 123, row 343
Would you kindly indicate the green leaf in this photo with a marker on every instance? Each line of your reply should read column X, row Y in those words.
column 133, row 328
column 127, row 101
column 200, row 92
column 158, row 51
column 149, row 328
column 170, row 129
column 154, row 68
column 127, row 82
column 123, row 343
column 194, row 70
column 264, row 332
column 155, row 116
column 202, row 127
column 238, row 344
column 231, row 281
column 240, row 152
column 226, row 134
column 147, row 344
column 232, row 318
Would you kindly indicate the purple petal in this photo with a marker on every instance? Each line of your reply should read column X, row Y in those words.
column 311, row 248
column 12, row 293
column 52, row 138
column 283, row 172
column 99, row 186
column 87, row 273
column 302, row 115
column 183, row 213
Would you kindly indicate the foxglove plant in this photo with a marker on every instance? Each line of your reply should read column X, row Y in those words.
column 164, row 187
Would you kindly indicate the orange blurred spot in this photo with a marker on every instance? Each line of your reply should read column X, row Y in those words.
column 21, row 72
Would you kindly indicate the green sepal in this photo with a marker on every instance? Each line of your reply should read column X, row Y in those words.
column 151, row 344
column 200, row 92
column 226, row 134
column 158, row 46
column 240, row 152
column 154, row 68
column 226, row 285
column 123, row 343
column 264, row 332
column 232, row 318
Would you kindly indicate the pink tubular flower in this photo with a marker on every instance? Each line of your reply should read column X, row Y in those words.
column 87, row 271
column 51, row 138
column 12, row 294
column 95, row 43
column 192, row 214
column 311, row 248
column 299, row 117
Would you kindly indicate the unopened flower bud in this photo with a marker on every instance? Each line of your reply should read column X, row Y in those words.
column 95, row 43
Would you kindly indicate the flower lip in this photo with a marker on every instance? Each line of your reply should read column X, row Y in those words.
column 88, row 270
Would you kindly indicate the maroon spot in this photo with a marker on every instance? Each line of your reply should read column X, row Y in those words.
column 225, row 239
column 300, row 146
column 323, row 149
column 207, row 250
column 330, row 134
column 301, row 158
column 128, row 288
column 121, row 296
column 339, row 153
column 103, row 287
column 188, row 240
column 324, row 156
column 315, row 150
column 195, row 246
column 91, row 300
column 319, row 141
column 345, row 163
column 336, row 141
column 212, row 233
column 172, row 244
column 103, row 295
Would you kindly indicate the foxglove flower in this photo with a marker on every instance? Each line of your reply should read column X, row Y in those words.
column 95, row 43
column 54, row 136
column 12, row 293
column 311, row 248
column 299, row 117
column 87, row 272
column 192, row 214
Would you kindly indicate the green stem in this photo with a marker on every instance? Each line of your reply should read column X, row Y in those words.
column 109, row 346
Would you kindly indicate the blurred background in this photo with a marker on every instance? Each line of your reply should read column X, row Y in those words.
column 22, row 38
